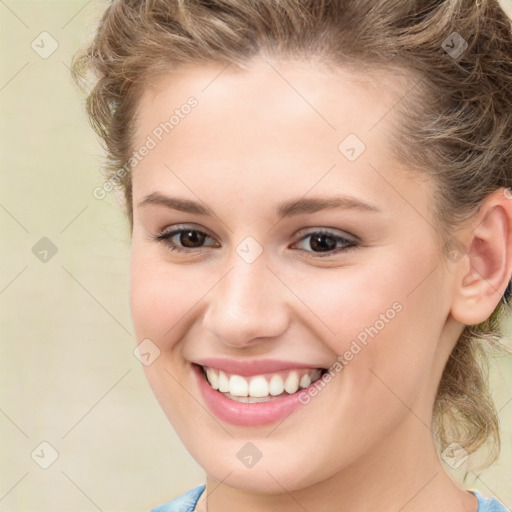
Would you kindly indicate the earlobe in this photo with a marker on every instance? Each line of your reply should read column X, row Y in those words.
column 486, row 267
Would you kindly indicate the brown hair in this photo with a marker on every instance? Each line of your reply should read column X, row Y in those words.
column 456, row 122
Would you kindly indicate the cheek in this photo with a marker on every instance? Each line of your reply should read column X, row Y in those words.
column 160, row 299
column 161, row 295
column 383, row 326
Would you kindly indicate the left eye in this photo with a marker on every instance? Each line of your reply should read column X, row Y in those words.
column 321, row 241
column 326, row 242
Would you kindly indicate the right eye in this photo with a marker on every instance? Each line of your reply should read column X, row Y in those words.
column 182, row 238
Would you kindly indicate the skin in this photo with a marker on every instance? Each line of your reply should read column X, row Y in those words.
column 364, row 443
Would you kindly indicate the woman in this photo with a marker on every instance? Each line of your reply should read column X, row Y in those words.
column 321, row 238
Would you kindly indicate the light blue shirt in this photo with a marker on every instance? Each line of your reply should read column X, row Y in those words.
column 187, row 502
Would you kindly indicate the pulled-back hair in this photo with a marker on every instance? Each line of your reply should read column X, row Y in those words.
column 455, row 123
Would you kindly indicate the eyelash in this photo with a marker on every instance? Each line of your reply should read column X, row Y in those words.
column 165, row 236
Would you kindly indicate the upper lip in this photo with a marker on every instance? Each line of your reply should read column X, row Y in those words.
column 251, row 367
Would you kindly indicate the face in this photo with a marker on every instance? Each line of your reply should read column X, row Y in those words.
column 358, row 287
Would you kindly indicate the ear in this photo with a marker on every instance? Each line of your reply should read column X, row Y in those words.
column 486, row 267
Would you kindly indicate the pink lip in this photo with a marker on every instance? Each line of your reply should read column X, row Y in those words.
column 251, row 367
column 246, row 414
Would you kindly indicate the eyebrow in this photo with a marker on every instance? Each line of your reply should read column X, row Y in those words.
column 285, row 209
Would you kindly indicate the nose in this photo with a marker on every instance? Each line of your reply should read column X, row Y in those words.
column 249, row 303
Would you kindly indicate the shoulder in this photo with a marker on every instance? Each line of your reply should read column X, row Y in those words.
column 489, row 504
column 187, row 502
column 184, row 503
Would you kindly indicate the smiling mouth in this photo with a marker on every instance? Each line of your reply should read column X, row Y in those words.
column 261, row 388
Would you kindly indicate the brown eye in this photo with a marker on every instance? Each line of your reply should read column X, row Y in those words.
column 327, row 242
column 322, row 242
column 182, row 239
column 190, row 238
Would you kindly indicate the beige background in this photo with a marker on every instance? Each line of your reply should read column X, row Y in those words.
column 68, row 373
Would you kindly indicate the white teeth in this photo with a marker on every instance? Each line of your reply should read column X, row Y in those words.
column 305, row 381
column 212, row 378
column 238, row 386
column 291, row 384
column 258, row 387
column 223, row 383
column 276, row 385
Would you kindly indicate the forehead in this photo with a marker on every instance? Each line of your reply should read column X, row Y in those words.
column 278, row 123
column 272, row 96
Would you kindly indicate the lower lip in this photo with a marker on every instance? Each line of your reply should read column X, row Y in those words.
column 244, row 414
